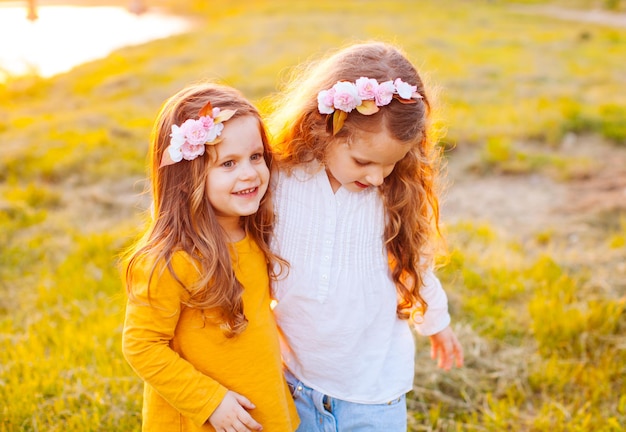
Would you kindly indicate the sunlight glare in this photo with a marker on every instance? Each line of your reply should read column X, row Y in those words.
column 65, row 36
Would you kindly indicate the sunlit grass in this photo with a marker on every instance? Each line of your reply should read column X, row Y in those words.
column 61, row 369
column 541, row 329
column 545, row 350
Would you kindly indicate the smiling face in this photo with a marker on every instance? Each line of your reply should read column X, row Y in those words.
column 364, row 162
column 238, row 176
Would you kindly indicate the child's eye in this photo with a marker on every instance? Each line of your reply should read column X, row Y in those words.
column 228, row 164
column 361, row 163
column 256, row 157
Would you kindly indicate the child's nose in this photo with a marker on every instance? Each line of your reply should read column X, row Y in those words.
column 375, row 176
column 247, row 171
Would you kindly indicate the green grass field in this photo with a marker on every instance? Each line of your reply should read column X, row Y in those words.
column 540, row 309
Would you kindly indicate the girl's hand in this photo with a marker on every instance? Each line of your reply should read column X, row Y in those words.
column 446, row 349
column 231, row 415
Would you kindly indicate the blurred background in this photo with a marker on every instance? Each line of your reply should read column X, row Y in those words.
column 530, row 101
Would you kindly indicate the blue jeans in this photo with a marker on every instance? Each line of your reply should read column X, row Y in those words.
column 321, row 413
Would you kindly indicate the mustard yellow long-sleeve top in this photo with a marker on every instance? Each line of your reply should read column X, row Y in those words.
column 188, row 364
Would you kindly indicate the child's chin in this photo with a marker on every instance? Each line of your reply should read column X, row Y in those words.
column 249, row 212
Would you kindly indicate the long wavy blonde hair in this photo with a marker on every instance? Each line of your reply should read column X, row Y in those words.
column 184, row 220
column 301, row 135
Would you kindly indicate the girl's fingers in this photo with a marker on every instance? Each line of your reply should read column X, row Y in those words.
column 251, row 424
column 240, row 427
column 248, row 423
column 244, row 401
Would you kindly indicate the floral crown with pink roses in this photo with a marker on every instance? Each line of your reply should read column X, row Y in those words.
column 189, row 139
column 366, row 95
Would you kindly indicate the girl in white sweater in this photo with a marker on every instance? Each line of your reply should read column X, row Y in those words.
column 356, row 214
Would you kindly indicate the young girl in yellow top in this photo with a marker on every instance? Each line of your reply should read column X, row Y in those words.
column 199, row 330
column 357, row 211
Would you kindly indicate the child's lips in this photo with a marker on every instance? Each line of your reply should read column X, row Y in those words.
column 361, row 185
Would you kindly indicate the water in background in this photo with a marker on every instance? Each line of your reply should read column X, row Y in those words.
column 64, row 36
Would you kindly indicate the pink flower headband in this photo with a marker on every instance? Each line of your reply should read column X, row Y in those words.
column 190, row 138
column 366, row 95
